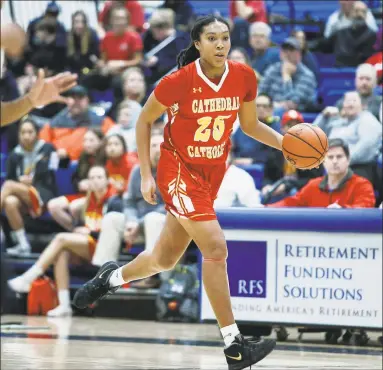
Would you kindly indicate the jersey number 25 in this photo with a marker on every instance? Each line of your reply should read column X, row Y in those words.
column 203, row 133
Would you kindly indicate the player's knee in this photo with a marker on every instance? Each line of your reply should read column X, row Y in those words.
column 11, row 202
column 217, row 251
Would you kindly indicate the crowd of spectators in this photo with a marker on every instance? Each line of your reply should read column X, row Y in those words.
column 120, row 60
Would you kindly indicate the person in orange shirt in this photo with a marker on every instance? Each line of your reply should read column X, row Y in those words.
column 67, row 129
column 81, row 242
column 119, row 163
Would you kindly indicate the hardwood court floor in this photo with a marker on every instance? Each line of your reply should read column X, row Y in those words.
column 95, row 343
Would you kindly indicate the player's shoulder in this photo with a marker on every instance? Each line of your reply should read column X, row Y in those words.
column 241, row 68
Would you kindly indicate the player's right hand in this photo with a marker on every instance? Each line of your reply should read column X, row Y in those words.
column 148, row 190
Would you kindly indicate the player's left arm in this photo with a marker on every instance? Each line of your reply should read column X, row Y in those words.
column 256, row 129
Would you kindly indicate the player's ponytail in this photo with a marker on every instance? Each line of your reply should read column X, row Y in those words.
column 191, row 53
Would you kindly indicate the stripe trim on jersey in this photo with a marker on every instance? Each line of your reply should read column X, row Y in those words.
column 215, row 87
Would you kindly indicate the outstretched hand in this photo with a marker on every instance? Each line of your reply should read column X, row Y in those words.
column 48, row 90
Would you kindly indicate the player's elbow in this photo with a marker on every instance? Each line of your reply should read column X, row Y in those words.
column 249, row 127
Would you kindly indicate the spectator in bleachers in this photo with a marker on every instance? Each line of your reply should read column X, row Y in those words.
column 245, row 149
column 361, row 131
column 120, row 49
column 81, row 242
column 250, row 10
column 278, row 169
column 127, row 115
column 63, row 208
column 119, row 162
column 51, row 13
column 30, row 182
column 162, row 29
column 183, row 11
column 342, row 18
column 44, row 51
column 140, row 216
column 134, row 9
column 290, row 83
column 67, row 129
column 352, row 44
column 365, row 83
column 237, row 188
column 262, row 53
column 83, row 45
column 339, row 188
column 132, row 87
column 308, row 58
column 240, row 55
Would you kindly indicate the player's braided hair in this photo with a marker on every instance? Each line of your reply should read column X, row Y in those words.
column 190, row 54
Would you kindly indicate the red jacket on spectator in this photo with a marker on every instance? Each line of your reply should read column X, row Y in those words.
column 259, row 10
column 136, row 14
column 353, row 192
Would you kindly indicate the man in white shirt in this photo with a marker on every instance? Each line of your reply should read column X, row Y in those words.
column 237, row 189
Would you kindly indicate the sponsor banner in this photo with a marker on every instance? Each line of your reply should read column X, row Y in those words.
column 304, row 278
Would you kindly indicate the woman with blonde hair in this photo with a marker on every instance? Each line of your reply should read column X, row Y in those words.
column 81, row 242
column 82, row 45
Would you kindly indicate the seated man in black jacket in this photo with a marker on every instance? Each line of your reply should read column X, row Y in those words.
column 277, row 169
column 351, row 45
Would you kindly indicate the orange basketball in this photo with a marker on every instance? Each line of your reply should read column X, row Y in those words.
column 305, row 146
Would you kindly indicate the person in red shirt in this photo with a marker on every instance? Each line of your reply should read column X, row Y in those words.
column 250, row 10
column 202, row 100
column 340, row 188
column 134, row 8
column 120, row 48
column 119, row 163
column 81, row 242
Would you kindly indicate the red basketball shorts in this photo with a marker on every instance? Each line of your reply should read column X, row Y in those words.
column 188, row 190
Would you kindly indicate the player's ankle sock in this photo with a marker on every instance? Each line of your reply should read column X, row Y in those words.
column 229, row 333
column 21, row 237
column 64, row 297
column 32, row 274
column 116, row 278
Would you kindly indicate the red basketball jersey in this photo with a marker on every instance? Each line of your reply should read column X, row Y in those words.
column 202, row 112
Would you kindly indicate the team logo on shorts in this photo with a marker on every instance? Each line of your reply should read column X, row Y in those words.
column 180, row 199
column 247, row 268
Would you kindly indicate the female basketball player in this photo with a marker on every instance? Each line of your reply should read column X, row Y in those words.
column 202, row 99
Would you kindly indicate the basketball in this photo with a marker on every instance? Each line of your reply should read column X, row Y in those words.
column 305, row 146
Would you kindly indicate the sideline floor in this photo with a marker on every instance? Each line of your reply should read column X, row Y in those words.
column 95, row 343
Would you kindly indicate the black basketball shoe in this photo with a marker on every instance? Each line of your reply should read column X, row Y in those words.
column 243, row 353
column 96, row 288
